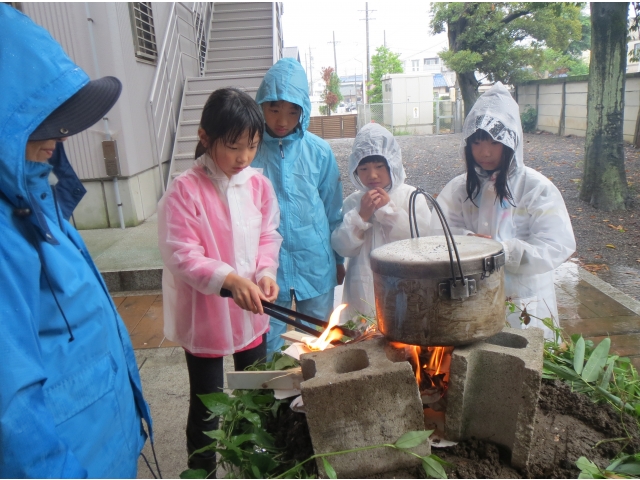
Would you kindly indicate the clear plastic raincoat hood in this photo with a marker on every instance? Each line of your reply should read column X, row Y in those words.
column 355, row 238
column 536, row 233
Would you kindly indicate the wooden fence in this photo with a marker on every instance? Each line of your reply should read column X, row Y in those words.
column 334, row 126
column 561, row 104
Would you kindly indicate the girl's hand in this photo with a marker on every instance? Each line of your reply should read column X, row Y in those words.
column 269, row 288
column 478, row 235
column 246, row 294
column 369, row 204
column 383, row 199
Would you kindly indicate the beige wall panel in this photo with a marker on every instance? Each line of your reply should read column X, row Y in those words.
column 576, row 123
column 549, row 110
column 576, row 99
column 553, row 89
column 550, row 99
column 577, row 87
column 575, row 111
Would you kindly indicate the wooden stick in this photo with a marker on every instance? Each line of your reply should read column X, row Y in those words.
column 272, row 379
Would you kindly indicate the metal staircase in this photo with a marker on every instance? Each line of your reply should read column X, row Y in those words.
column 245, row 40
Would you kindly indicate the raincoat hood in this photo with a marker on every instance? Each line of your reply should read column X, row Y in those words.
column 498, row 114
column 287, row 80
column 40, row 77
column 374, row 139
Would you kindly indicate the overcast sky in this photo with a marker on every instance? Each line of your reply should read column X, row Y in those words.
column 312, row 24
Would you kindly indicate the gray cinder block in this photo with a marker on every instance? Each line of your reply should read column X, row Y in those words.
column 356, row 397
column 493, row 391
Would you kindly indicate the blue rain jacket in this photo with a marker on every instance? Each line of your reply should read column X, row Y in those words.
column 70, row 395
column 69, row 189
column 305, row 176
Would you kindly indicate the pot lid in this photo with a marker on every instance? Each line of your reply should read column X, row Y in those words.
column 428, row 257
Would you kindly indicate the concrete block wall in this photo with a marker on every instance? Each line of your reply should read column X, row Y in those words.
column 562, row 104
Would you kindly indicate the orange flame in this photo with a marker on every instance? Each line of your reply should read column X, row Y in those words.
column 438, row 362
column 327, row 336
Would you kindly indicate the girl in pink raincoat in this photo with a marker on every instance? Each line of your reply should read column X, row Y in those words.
column 217, row 229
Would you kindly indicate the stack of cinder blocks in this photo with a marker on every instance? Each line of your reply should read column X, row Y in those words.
column 356, row 397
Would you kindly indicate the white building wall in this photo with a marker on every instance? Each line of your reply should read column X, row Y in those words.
column 127, row 121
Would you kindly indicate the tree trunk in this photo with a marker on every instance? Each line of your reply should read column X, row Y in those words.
column 604, row 182
column 467, row 80
column 468, row 89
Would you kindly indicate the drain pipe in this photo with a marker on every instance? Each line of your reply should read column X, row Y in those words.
column 107, row 132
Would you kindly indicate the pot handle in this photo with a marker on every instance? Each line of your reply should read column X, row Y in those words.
column 451, row 244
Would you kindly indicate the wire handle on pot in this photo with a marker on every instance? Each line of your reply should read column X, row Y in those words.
column 413, row 224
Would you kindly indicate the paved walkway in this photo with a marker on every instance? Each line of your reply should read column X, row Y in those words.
column 586, row 305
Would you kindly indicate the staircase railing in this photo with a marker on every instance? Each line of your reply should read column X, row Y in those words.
column 182, row 55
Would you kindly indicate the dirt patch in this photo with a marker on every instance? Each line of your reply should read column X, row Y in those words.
column 568, row 425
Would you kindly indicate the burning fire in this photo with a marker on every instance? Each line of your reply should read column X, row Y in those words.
column 330, row 334
column 430, row 365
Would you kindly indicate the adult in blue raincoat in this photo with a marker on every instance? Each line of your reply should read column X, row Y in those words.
column 305, row 176
column 71, row 402
column 69, row 188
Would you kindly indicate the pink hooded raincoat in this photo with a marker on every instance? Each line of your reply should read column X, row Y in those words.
column 209, row 226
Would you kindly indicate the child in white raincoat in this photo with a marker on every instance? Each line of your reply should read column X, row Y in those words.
column 377, row 214
column 502, row 199
column 217, row 229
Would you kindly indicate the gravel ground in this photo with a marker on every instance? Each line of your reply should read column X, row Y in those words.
column 608, row 243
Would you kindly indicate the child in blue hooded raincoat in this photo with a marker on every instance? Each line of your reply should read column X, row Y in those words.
column 305, row 176
column 71, row 402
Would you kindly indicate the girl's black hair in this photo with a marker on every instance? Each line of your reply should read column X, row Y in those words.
column 227, row 115
column 503, row 192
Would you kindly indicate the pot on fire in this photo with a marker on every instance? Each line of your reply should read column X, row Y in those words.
column 425, row 295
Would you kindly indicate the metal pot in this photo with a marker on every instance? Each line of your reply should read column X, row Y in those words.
column 425, row 297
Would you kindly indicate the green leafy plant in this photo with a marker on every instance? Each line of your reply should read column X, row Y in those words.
column 432, row 464
column 625, row 466
column 589, row 368
column 529, row 119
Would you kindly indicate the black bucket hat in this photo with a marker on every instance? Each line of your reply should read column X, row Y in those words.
column 82, row 110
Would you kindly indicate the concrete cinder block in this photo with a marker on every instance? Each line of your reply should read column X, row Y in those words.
column 356, row 397
column 493, row 391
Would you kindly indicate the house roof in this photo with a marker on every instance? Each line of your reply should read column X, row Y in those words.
column 439, row 81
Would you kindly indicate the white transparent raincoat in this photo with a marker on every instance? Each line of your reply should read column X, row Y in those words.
column 355, row 238
column 536, row 234
column 209, row 226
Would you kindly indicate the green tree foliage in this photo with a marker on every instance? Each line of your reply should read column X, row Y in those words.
column 331, row 95
column 383, row 62
column 499, row 40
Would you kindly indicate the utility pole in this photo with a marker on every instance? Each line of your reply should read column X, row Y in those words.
column 310, row 73
column 335, row 61
column 366, row 19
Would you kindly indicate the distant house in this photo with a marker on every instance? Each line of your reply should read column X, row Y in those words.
column 351, row 88
column 429, row 62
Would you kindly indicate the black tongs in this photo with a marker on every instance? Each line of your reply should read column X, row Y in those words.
column 284, row 315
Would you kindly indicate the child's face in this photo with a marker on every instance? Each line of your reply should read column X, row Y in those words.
column 487, row 153
column 233, row 158
column 281, row 117
column 374, row 175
